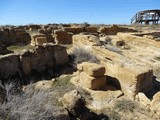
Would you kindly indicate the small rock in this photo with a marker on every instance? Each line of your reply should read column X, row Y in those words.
column 73, row 102
column 143, row 99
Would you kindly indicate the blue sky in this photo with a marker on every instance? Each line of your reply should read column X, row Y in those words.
column 20, row 12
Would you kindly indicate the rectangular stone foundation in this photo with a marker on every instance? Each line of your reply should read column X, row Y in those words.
column 132, row 77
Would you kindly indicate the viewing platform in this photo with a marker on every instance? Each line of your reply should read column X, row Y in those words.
column 146, row 17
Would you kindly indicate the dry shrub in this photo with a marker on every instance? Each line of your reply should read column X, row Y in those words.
column 32, row 104
column 80, row 55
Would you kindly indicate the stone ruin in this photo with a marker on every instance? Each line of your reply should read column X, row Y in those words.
column 92, row 75
column 132, row 77
column 42, row 58
column 124, row 68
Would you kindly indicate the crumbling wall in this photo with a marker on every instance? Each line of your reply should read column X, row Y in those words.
column 39, row 60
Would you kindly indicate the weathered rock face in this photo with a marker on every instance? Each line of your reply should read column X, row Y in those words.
column 87, row 39
column 73, row 102
column 62, row 37
column 74, row 30
column 91, row 29
column 3, row 50
column 155, row 103
column 131, row 81
column 92, row 82
column 97, row 100
column 38, row 60
column 60, row 55
column 114, row 30
column 9, row 66
column 92, row 69
column 40, row 39
column 92, row 75
column 26, row 62
column 14, row 36
column 34, row 27
column 43, row 57
column 144, row 100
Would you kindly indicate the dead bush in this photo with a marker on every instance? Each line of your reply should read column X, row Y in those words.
column 33, row 104
column 80, row 55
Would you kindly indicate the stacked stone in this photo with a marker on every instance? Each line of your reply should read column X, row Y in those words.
column 92, row 75
column 62, row 37
column 40, row 39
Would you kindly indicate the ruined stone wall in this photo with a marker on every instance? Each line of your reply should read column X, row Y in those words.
column 39, row 60
column 114, row 30
column 132, row 77
column 14, row 36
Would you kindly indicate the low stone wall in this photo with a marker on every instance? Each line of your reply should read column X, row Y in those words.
column 40, row 39
column 62, row 37
column 14, row 36
column 45, row 57
column 114, row 30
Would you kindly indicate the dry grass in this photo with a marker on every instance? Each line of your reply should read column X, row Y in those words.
column 32, row 104
column 20, row 47
column 80, row 55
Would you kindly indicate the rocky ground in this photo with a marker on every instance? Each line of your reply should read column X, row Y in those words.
column 79, row 72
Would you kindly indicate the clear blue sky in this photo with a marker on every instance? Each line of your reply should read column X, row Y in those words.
column 20, row 12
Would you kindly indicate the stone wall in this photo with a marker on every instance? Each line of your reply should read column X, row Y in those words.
column 40, row 39
column 92, row 75
column 14, row 36
column 114, row 30
column 45, row 57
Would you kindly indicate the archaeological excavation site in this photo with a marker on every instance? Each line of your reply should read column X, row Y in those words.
column 80, row 72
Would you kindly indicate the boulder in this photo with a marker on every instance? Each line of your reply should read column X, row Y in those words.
column 90, row 82
column 105, row 39
column 73, row 102
column 40, row 85
column 92, row 69
column 118, row 42
column 155, row 103
column 60, row 114
column 143, row 99
column 62, row 37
